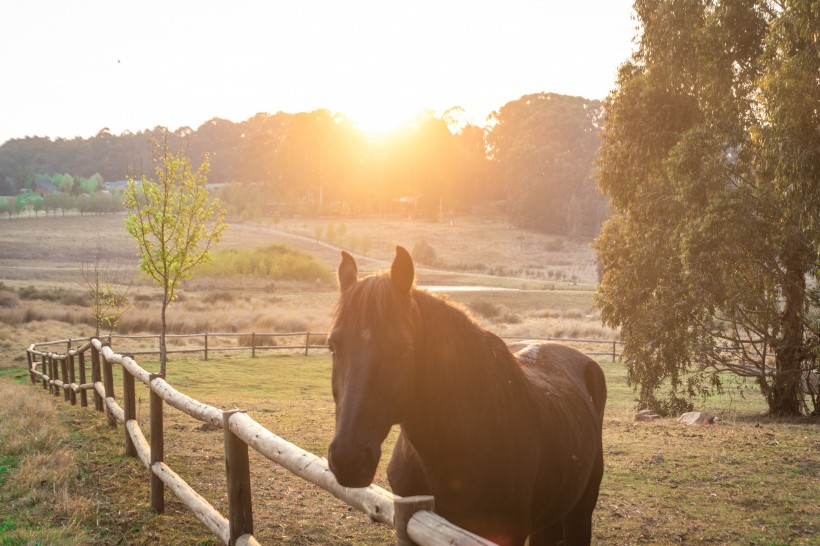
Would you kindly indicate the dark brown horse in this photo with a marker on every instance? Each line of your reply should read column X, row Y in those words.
column 509, row 446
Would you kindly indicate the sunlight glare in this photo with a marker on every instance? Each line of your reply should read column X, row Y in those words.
column 381, row 121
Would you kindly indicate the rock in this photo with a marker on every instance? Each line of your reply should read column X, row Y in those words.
column 697, row 418
column 646, row 415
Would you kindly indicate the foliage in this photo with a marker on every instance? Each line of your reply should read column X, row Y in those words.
column 535, row 154
column 705, row 258
column 425, row 254
column 174, row 222
column 276, row 262
column 545, row 146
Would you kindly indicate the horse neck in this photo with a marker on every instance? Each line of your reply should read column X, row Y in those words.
column 467, row 381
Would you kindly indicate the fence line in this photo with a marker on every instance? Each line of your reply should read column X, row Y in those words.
column 257, row 340
column 412, row 517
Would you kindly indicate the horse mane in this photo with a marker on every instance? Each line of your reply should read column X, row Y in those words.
column 470, row 356
column 470, row 360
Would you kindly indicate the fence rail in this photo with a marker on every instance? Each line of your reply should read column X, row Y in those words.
column 412, row 517
column 260, row 341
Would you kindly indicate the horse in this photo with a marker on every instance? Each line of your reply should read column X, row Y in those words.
column 508, row 445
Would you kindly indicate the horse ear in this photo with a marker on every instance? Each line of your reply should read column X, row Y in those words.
column 348, row 272
column 402, row 272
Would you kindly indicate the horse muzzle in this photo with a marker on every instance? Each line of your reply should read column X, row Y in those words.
column 353, row 466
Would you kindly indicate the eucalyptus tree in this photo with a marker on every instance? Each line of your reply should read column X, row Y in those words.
column 710, row 159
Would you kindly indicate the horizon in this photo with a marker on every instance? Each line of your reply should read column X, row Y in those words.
column 89, row 65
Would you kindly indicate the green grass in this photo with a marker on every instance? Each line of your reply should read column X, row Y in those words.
column 747, row 480
column 276, row 262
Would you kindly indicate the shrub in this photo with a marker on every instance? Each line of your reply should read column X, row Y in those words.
column 8, row 300
column 219, row 296
column 277, row 262
column 424, row 254
column 486, row 309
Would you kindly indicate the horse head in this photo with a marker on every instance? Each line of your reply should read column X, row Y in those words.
column 373, row 341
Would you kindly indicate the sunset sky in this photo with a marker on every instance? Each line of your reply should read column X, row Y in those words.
column 72, row 68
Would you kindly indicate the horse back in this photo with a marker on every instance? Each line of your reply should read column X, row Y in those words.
column 553, row 367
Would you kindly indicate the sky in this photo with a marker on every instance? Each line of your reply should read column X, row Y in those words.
column 73, row 68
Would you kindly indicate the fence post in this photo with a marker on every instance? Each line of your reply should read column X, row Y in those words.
column 71, row 394
column 157, row 448
column 44, row 370
column 253, row 344
column 30, row 366
column 83, row 394
column 206, row 345
column 237, row 470
column 68, row 345
column 307, row 342
column 129, row 407
column 64, row 368
column 404, row 509
column 55, row 374
column 96, row 377
column 108, row 383
column 613, row 350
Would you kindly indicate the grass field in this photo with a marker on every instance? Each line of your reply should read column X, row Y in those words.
column 63, row 479
column 746, row 480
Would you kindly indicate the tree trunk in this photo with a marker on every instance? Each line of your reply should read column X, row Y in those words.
column 784, row 395
column 162, row 354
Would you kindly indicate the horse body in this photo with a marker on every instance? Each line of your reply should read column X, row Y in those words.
column 509, row 446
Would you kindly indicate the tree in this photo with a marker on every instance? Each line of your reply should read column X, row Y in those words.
column 174, row 222
column 107, row 291
column 544, row 146
column 706, row 256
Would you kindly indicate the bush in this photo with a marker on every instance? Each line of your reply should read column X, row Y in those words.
column 425, row 254
column 486, row 309
column 8, row 300
column 277, row 262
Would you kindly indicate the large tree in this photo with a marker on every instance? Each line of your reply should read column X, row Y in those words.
column 175, row 223
column 544, row 147
column 706, row 257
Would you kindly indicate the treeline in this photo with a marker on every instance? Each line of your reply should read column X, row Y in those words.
column 533, row 162
column 27, row 202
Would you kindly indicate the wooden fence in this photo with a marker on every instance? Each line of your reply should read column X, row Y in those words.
column 67, row 374
column 304, row 341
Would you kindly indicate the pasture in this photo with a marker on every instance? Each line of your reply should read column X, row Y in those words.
column 63, row 479
column 746, row 480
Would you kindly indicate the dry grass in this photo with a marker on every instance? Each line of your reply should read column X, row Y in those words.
column 748, row 480
column 41, row 485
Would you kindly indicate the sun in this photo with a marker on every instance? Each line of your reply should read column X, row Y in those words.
column 375, row 120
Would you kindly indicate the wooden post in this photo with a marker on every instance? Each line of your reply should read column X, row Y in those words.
column 237, row 470
column 307, row 342
column 404, row 508
column 96, row 376
column 83, row 394
column 68, row 345
column 44, row 369
column 71, row 375
column 64, row 368
column 129, row 408
column 108, row 383
column 206, row 345
column 253, row 344
column 157, row 448
column 613, row 350
column 53, row 374
column 30, row 366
